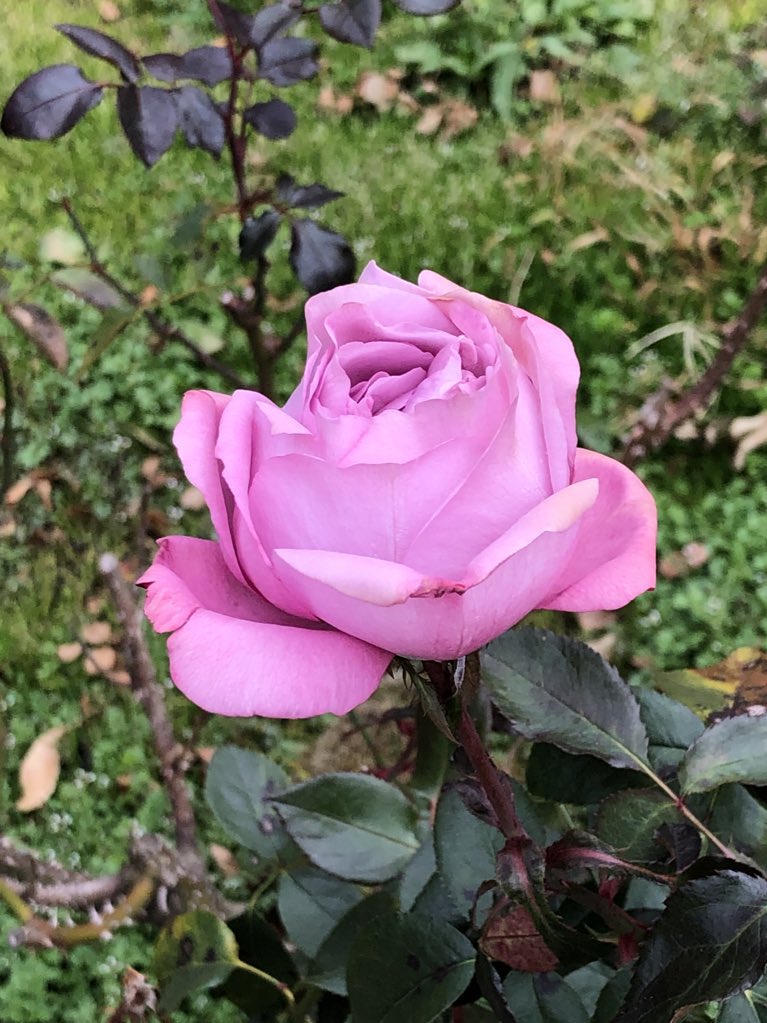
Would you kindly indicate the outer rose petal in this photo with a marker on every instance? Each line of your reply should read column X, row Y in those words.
column 233, row 653
column 614, row 558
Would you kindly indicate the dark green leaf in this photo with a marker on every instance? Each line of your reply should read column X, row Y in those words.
column 329, row 969
column 560, row 691
column 352, row 21
column 194, row 951
column 543, row 998
column 320, row 258
column 466, row 850
column 740, row 820
column 417, row 874
column 311, row 903
column 149, row 117
column 581, row 780
column 588, row 983
column 738, row 1009
column 352, row 825
column 710, row 942
column 629, row 821
column 407, row 968
column 49, row 103
column 88, row 286
column 671, row 727
column 260, row 946
column 734, row 749
column 612, row 997
column 100, row 45
column 238, row 788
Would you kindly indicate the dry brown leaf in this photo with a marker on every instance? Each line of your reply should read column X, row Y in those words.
column 205, row 753
column 224, row 860
column 150, row 468
column 19, row 490
column 750, row 433
column 459, row 117
column 430, row 120
column 109, row 11
column 39, row 770
column 68, row 652
column 119, row 677
column 644, row 108
column 544, row 87
column 100, row 660
column 43, row 331
column 43, row 489
column 515, row 145
column 379, row 90
column 96, row 633
column 593, row 621
column 587, row 239
column 722, row 160
column 7, row 529
column 192, row 499
column 695, row 554
column 149, row 294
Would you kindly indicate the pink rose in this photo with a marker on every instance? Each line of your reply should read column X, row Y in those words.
column 420, row 492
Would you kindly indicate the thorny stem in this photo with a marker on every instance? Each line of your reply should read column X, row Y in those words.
column 235, row 141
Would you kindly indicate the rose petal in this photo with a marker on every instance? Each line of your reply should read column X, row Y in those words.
column 614, row 558
column 232, row 653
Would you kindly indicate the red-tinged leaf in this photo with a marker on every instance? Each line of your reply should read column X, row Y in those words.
column 43, row 331
column 98, row 44
column 49, row 103
column 352, row 21
column 149, row 117
column 510, row 936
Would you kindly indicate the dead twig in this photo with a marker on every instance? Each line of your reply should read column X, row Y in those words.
column 652, row 433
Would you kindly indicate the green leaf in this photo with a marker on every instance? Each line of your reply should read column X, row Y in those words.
column 740, row 820
column 710, row 942
column 407, row 968
column 417, row 874
column 352, row 825
column 612, row 996
column 628, row 821
column 558, row 690
column 466, row 849
column 731, row 750
column 194, row 951
column 261, row 946
column 239, row 788
column 576, row 779
column 738, row 1009
column 671, row 727
column 88, row 286
column 543, row 998
column 310, row 904
column 588, row 983
column 329, row 969
column 113, row 323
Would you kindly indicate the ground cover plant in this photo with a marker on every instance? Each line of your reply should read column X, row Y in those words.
column 626, row 209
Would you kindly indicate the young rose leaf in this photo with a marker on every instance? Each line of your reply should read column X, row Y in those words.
column 304, row 196
column 88, row 286
column 329, row 969
column 710, row 942
column 43, row 331
column 320, row 258
column 100, row 45
column 580, row 780
column 426, row 8
column 194, row 951
column 236, row 24
column 352, row 825
column 238, row 788
column 207, row 64
column 465, row 849
column 49, row 103
column 629, row 821
column 257, row 234
column 261, row 946
column 581, row 851
column 287, row 61
column 732, row 750
column 149, row 117
column 352, row 21
column 274, row 119
column 560, row 691
column 201, row 122
column 407, row 968
column 543, row 998
column 311, row 903
column 271, row 22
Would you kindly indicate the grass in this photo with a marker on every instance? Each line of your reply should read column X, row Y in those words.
column 635, row 205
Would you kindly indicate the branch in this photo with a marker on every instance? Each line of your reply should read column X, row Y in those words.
column 165, row 330
column 646, row 437
column 150, row 695
column 8, row 439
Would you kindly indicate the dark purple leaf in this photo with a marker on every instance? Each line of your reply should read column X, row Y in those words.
column 201, row 122
column 305, row 196
column 426, row 7
column 149, row 117
column 236, row 24
column 258, row 233
column 105, row 47
column 352, row 21
column 287, row 61
column 321, row 259
column 49, row 103
column 207, row 64
column 270, row 22
column 274, row 119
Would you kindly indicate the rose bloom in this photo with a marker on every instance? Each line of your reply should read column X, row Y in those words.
column 420, row 492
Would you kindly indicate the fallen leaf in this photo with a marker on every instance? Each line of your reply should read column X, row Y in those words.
column 43, row 490
column 150, row 469
column 224, row 860
column 192, row 499
column 43, row 331
column 515, row 145
column 119, row 677
column 430, row 120
column 69, row 652
column 19, row 490
column 459, row 117
column 587, row 239
column 39, row 770
column 644, row 107
column 205, row 753
column 544, row 87
column 100, row 660
column 124, row 781
column 722, row 160
column 96, row 633
column 734, row 684
column 749, row 431
column 109, row 11
column 595, row 621
column 379, row 90
column 695, row 554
